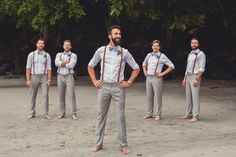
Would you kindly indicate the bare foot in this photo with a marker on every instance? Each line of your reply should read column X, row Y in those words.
column 46, row 116
column 157, row 118
column 96, row 148
column 31, row 116
column 126, row 150
column 147, row 117
column 74, row 117
column 61, row 116
column 185, row 117
column 194, row 119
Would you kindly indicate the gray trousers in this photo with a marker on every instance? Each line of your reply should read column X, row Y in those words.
column 154, row 91
column 105, row 94
column 66, row 83
column 39, row 80
column 192, row 97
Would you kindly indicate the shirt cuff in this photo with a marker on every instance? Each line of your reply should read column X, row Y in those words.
column 91, row 65
column 202, row 69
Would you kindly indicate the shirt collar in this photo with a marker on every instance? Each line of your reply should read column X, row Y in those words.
column 113, row 48
column 195, row 51
column 40, row 52
column 156, row 53
column 68, row 53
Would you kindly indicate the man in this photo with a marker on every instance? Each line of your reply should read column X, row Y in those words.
column 66, row 61
column 192, row 79
column 112, row 85
column 152, row 68
column 38, row 73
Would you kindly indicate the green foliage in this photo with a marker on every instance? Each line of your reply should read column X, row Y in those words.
column 39, row 13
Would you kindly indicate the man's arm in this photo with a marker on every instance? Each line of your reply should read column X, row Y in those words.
column 145, row 70
column 97, row 83
column 132, row 63
column 170, row 65
column 28, row 79
column 93, row 62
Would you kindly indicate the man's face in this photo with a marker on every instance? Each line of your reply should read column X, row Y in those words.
column 115, row 36
column 67, row 46
column 194, row 44
column 40, row 45
column 155, row 47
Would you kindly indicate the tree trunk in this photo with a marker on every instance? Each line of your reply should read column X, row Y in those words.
column 46, row 33
column 168, row 39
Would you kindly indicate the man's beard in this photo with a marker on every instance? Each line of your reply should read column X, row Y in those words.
column 115, row 41
column 194, row 48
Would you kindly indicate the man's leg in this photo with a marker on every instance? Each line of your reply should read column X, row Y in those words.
column 45, row 89
column 157, row 86
column 70, row 86
column 195, row 98
column 62, row 92
column 150, row 98
column 118, row 95
column 104, row 100
column 33, row 94
column 189, row 100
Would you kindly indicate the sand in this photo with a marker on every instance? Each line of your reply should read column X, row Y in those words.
column 213, row 136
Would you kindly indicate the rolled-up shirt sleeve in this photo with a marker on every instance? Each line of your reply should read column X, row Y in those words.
column 167, row 62
column 29, row 61
column 202, row 62
column 57, row 60
column 130, row 60
column 73, row 62
column 145, row 62
column 49, row 62
column 96, row 58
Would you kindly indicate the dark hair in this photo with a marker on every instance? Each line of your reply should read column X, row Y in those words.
column 67, row 41
column 40, row 39
column 109, row 29
column 156, row 41
column 196, row 39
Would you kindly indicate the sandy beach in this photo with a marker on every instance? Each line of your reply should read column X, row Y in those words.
column 213, row 136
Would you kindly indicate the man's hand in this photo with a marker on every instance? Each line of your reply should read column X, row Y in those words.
column 97, row 83
column 184, row 82
column 159, row 74
column 145, row 73
column 48, row 83
column 64, row 63
column 29, row 83
column 195, row 83
column 124, row 84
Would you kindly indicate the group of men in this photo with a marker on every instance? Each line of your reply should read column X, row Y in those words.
column 111, row 84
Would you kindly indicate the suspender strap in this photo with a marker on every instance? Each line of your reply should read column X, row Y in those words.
column 194, row 63
column 33, row 63
column 69, row 61
column 103, row 63
column 121, row 59
column 61, row 60
column 157, row 63
column 45, row 64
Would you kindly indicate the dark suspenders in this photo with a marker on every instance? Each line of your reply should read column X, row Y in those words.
column 195, row 60
column 157, row 64
column 121, row 59
column 103, row 64
column 61, row 60
column 45, row 64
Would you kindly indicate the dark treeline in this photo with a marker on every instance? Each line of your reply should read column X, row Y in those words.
column 84, row 22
